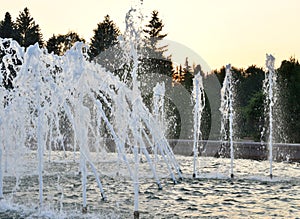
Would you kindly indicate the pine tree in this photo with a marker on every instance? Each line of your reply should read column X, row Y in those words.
column 28, row 32
column 7, row 29
column 154, row 35
column 155, row 60
column 188, row 76
column 61, row 43
column 105, row 36
column 154, row 66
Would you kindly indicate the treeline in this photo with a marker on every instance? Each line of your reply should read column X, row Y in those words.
column 26, row 32
column 104, row 48
column 250, row 101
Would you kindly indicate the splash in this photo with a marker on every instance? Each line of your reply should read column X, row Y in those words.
column 63, row 103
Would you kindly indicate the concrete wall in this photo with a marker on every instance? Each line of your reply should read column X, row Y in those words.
column 242, row 150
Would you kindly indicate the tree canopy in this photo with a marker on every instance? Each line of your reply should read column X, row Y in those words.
column 28, row 32
column 105, row 36
column 153, row 33
column 7, row 27
column 59, row 44
column 105, row 49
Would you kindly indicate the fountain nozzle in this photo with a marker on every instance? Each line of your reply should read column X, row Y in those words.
column 136, row 214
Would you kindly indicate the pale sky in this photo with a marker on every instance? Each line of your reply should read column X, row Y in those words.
column 239, row 32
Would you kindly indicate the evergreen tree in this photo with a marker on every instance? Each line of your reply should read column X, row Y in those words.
column 61, row 43
column 156, row 61
column 178, row 76
column 154, row 34
column 105, row 36
column 154, row 66
column 7, row 29
column 28, row 32
column 184, row 75
column 188, row 76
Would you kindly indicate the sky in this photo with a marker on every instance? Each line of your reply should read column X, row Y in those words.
column 239, row 32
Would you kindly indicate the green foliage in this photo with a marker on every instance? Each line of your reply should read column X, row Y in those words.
column 155, row 27
column 251, row 82
column 28, row 33
column 7, row 27
column 155, row 61
column 61, row 43
column 220, row 74
column 188, row 76
column 105, row 50
column 185, row 75
column 253, row 116
column 206, row 120
column 289, row 84
column 248, row 100
column 154, row 35
column 105, row 36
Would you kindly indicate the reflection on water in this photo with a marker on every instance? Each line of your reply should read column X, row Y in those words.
column 213, row 194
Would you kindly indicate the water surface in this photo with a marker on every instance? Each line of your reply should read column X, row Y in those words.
column 251, row 194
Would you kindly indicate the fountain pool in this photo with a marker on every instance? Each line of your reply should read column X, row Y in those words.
column 213, row 194
column 55, row 163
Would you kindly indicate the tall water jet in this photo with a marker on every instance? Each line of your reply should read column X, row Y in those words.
column 227, row 111
column 158, row 103
column 159, row 110
column 199, row 100
column 1, row 170
column 1, row 138
column 268, row 88
column 134, row 43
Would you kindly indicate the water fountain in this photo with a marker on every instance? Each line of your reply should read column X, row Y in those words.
column 199, row 99
column 51, row 90
column 159, row 110
column 268, row 88
column 158, row 103
column 63, row 107
column 227, row 112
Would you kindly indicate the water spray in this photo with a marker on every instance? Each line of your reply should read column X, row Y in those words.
column 228, row 114
column 270, row 80
column 199, row 99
